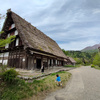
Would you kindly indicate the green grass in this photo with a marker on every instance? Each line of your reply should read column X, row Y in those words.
column 32, row 91
column 15, row 91
column 96, row 67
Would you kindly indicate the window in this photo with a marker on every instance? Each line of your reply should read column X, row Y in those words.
column 0, row 61
column 16, row 32
column 12, row 26
column 56, row 61
column 6, row 54
column 17, row 42
column 7, row 46
column 5, row 62
column 9, row 35
column 1, row 54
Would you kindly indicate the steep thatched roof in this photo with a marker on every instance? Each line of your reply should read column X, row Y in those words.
column 71, row 59
column 34, row 38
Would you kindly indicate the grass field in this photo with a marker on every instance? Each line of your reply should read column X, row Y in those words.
column 37, row 90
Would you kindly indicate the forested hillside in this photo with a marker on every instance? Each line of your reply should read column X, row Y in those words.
column 90, row 51
column 81, row 57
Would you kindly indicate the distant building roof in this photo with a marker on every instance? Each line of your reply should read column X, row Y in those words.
column 71, row 59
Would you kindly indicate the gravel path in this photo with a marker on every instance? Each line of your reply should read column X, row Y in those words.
column 84, row 85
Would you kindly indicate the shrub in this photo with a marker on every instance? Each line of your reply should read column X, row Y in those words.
column 92, row 66
column 16, row 91
column 96, row 60
column 9, row 75
column 3, row 68
column 78, row 60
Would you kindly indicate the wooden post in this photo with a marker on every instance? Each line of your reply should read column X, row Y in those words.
column 52, row 62
column 26, row 60
column 2, row 58
column 8, row 58
column 11, row 60
column 47, row 63
column 19, row 59
column 41, row 61
column 16, row 59
column 34, row 63
column 56, row 62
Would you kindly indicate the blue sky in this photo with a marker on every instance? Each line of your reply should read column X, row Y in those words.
column 73, row 24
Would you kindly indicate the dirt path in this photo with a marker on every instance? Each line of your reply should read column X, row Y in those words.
column 84, row 85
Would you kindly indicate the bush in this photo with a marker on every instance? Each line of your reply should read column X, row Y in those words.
column 92, row 66
column 3, row 68
column 9, row 75
column 95, row 66
column 96, row 60
column 16, row 91
column 78, row 60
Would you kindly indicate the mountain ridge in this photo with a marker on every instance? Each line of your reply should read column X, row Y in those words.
column 93, row 48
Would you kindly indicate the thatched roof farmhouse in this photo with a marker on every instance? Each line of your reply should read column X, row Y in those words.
column 31, row 48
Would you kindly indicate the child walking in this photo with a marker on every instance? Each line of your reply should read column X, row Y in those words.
column 58, row 80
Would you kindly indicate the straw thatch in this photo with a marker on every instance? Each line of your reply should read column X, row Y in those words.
column 71, row 59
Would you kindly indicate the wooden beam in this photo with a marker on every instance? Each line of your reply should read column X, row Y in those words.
column 26, row 60
column 47, row 62
column 3, row 59
column 11, row 60
column 41, row 61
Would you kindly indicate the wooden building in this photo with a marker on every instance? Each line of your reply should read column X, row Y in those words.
column 31, row 48
column 70, row 61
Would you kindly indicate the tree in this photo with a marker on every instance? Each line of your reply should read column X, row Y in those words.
column 8, row 40
column 96, row 60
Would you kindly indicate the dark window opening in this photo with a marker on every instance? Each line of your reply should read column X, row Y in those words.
column 38, row 61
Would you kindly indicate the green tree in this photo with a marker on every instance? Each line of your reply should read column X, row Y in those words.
column 8, row 40
column 3, row 42
column 96, row 60
column 78, row 60
column 81, row 57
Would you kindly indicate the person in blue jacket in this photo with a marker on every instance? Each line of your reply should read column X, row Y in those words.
column 58, row 80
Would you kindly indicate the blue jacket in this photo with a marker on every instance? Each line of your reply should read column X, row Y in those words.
column 58, row 79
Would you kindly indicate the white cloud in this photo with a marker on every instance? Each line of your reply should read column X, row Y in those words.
column 73, row 24
column 77, row 45
column 96, row 11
